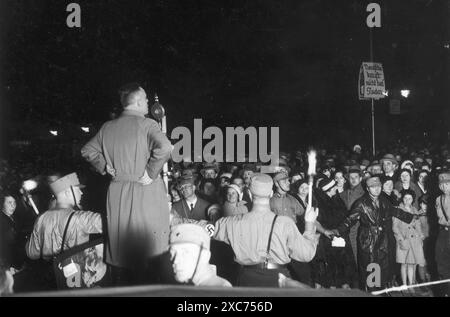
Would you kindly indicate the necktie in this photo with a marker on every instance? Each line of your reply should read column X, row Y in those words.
column 377, row 205
column 192, row 206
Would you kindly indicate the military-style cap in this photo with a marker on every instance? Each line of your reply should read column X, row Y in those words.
column 354, row 169
column 280, row 176
column 365, row 162
column 373, row 181
column 261, row 185
column 444, row 178
column 188, row 172
column 190, row 233
column 65, row 182
column 209, row 166
column 186, row 180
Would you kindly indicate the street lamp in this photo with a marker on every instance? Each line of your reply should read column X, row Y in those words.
column 54, row 132
column 405, row 93
column 85, row 129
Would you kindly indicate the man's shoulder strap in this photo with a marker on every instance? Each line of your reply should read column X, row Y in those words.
column 270, row 239
column 65, row 231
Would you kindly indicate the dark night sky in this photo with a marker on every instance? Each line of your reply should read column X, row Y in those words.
column 292, row 64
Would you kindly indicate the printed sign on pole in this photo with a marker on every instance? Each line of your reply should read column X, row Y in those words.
column 371, row 81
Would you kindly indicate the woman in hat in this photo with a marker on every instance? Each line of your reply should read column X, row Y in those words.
column 407, row 182
column 388, row 190
column 333, row 266
column 234, row 205
column 409, row 239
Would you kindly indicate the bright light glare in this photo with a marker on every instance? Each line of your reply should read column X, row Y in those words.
column 54, row 132
column 29, row 185
column 405, row 93
column 85, row 129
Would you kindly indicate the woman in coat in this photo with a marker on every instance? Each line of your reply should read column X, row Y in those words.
column 388, row 190
column 8, row 233
column 407, row 182
column 409, row 239
column 332, row 266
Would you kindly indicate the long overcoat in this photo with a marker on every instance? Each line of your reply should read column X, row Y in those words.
column 137, row 215
column 376, row 241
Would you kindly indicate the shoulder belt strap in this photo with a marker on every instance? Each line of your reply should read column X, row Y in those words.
column 65, row 232
column 270, row 239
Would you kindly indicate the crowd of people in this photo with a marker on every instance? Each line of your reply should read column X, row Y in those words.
column 359, row 222
column 409, row 252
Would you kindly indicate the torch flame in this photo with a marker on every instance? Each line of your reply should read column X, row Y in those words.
column 312, row 162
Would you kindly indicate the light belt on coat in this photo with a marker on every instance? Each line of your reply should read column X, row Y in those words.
column 128, row 178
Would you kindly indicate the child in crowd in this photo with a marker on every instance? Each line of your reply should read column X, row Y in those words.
column 409, row 239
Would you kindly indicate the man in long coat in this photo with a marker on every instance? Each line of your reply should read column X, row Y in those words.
column 133, row 150
column 376, row 241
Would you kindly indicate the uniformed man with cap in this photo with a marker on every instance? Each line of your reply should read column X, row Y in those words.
column 209, row 170
column 282, row 203
column 349, row 196
column 443, row 240
column 375, row 242
column 46, row 239
column 189, row 254
column 264, row 243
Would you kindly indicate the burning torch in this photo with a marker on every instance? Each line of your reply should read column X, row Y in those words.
column 27, row 187
column 311, row 172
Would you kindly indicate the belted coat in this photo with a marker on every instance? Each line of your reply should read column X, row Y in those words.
column 375, row 241
column 137, row 215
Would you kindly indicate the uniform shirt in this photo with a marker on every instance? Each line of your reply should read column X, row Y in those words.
column 46, row 239
column 440, row 211
column 286, row 205
column 248, row 235
column 208, row 277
